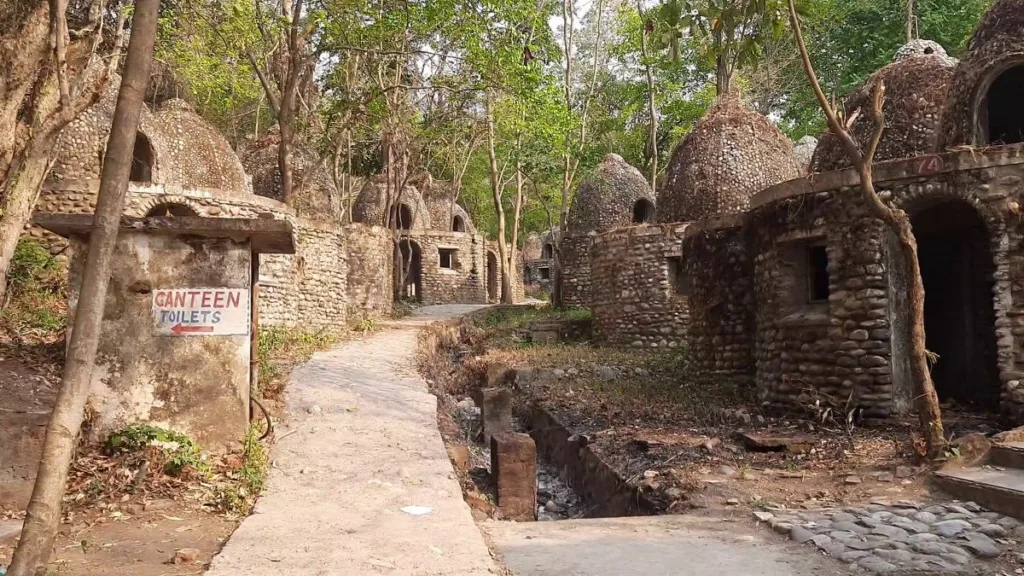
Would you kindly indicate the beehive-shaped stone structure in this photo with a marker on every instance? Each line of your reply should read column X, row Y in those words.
column 732, row 153
column 916, row 86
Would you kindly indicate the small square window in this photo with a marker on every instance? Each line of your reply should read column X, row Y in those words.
column 678, row 281
column 817, row 273
column 446, row 257
column 545, row 273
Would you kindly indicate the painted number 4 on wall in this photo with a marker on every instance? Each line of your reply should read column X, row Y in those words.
column 201, row 311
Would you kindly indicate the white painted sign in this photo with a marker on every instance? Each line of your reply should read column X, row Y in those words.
column 201, row 311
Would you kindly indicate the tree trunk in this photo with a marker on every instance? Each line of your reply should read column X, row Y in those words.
column 651, row 109
column 284, row 160
column 496, row 193
column 17, row 210
column 44, row 509
column 722, row 79
column 926, row 399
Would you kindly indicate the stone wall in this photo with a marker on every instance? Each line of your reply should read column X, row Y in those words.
column 321, row 276
column 370, row 253
column 852, row 346
column 465, row 281
column 311, row 288
column 575, row 255
column 634, row 294
column 198, row 385
column 716, row 269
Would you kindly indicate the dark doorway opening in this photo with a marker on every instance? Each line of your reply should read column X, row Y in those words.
column 1003, row 109
column 142, row 160
column 458, row 224
column 411, row 271
column 170, row 210
column 547, row 252
column 959, row 316
column 400, row 217
column 492, row 277
column 643, row 211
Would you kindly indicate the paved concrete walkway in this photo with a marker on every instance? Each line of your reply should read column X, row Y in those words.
column 361, row 444
column 651, row 546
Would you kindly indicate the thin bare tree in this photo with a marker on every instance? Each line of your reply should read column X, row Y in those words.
column 44, row 508
column 898, row 223
column 647, row 27
column 573, row 149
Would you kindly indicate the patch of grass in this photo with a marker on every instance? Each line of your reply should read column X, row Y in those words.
column 180, row 451
column 281, row 348
column 36, row 307
column 239, row 496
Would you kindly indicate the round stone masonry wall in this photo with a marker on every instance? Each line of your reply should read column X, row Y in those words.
column 636, row 298
column 719, row 286
column 575, row 270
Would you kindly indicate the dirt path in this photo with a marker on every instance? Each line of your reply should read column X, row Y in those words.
column 650, row 546
column 362, row 444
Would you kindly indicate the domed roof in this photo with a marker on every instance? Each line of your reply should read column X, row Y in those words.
column 532, row 246
column 315, row 195
column 608, row 199
column 371, row 204
column 201, row 157
column 992, row 66
column 441, row 203
column 916, row 85
column 731, row 154
column 803, row 150
column 82, row 143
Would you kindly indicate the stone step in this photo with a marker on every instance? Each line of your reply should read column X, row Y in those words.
column 1007, row 455
column 998, row 490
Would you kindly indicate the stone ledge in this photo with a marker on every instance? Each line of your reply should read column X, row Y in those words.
column 268, row 236
column 887, row 173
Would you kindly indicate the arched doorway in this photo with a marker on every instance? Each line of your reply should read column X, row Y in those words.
column 547, row 252
column 643, row 211
column 492, row 277
column 400, row 217
column 142, row 160
column 458, row 224
column 959, row 315
column 1002, row 113
column 410, row 273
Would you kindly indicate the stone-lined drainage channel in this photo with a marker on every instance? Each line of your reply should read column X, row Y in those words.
column 572, row 480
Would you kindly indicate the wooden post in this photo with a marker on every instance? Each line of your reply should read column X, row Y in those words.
column 254, row 328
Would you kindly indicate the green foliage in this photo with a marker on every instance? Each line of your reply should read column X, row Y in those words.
column 238, row 497
column 731, row 32
column 37, row 288
column 181, row 451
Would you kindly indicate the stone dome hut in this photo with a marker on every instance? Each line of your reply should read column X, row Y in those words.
column 532, row 246
column 83, row 142
column 731, row 153
column 617, row 195
column 316, row 196
column 446, row 214
column 984, row 104
column 916, row 85
column 201, row 157
column 370, row 206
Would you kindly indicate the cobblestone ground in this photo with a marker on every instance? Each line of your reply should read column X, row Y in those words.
column 885, row 537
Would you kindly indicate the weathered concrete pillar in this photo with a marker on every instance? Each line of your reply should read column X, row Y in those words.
column 514, row 469
column 495, row 411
